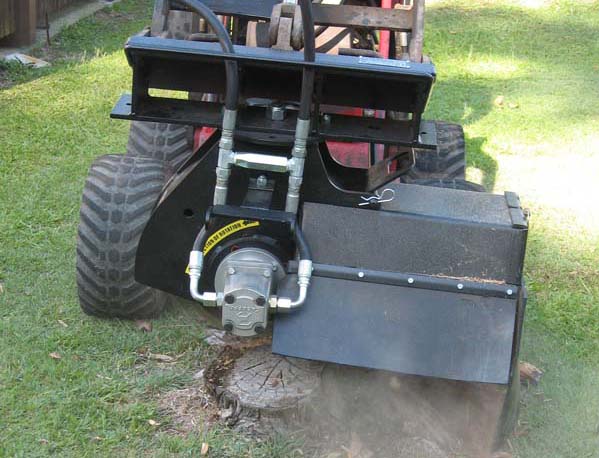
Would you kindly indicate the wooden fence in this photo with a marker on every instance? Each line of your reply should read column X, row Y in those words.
column 20, row 18
column 8, row 23
column 50, row 7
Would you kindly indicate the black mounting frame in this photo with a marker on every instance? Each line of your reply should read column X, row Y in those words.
column 267, row 73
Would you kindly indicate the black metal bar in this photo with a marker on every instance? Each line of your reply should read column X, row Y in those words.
column 255, row 119
column 449, row 284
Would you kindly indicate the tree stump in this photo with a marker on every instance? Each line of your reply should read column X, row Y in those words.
column 253, row 387
column 387, row 415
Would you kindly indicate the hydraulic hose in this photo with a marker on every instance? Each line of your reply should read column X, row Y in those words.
column 309, row 56
column 302, row 244
column 226, row 44
column 200, row 240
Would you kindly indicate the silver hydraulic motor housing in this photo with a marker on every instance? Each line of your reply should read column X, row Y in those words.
column 246, row 279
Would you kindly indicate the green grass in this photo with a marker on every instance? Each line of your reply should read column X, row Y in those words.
column 542, row 142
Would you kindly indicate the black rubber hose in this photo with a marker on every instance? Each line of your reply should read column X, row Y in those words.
column 232, row 94
column 309, row 56
column 302, row 245
column 200, row 241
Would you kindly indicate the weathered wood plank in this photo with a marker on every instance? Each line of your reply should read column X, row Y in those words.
column 7, row 18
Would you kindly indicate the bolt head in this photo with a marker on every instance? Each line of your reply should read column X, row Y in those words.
column 277, row 113
column 361, row 274
column 258, row 329
column 410, row 280
column 262, row 181
column 228, row 326
column 260, row 301
column 267, row 273
column 510, row 292
column 460, row 286
column 230, row 299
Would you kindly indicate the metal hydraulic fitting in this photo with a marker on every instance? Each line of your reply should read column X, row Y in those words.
column 296, row 166
column 304, row 274
column 223, row 170
column 196, row 263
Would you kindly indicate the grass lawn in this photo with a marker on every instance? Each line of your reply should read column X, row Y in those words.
column 522, row 76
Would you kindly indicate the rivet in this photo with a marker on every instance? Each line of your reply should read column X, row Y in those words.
column 510, row 292
column 410, row 280
column 460, row 286
column 267, row 273
column 361, row 274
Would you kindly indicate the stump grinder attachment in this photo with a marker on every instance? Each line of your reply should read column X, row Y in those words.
column 271, row 218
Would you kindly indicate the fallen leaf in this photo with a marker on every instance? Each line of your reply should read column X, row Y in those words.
column 63, row 324
column 199, row 375
column 143, row 325
column 204, row 449
column 452, row 32
column 498, row 102
column 513, row 105
column 161, row 358
column 530, row 373
column 55, row 355
column 153, row 423
column 44, row 441
column 1, row 288
column 96, row 439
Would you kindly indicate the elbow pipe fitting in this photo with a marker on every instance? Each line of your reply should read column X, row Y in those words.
column 304, row 274
column 196, row 262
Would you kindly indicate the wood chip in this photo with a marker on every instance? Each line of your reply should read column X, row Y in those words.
column 63, row 324
column 55, row 355
column 143, row 325
column 153, row 423
column 530, row 373
column 204, row 449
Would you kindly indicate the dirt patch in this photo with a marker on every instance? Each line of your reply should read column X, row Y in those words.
column 191, row 409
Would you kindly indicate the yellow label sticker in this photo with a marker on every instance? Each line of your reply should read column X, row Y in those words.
column 225, row 232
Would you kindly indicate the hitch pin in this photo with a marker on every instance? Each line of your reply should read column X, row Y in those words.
column 378, row 198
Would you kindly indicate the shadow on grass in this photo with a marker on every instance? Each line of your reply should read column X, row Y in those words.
column 460, row 34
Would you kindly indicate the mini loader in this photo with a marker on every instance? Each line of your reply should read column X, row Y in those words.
column 280, row 174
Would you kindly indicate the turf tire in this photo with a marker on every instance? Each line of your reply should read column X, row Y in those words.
column 171, row 143
column 119, row 195
column 448, row 161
